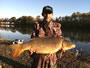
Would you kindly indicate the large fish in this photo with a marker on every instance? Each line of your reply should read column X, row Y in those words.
column 46, row 45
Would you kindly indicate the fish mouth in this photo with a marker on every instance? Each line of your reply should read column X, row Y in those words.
column 70, row 47
column 73, row 46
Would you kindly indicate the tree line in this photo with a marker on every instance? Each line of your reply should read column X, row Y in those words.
column 76, row 20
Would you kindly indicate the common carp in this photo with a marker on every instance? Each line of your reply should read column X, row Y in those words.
column 46, row 45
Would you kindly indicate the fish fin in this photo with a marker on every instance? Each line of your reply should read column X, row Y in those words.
column 61, row 52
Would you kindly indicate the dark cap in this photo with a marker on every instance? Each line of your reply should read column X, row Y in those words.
column 47, row 9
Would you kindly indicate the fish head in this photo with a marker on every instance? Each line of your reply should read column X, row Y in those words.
column 66, row 45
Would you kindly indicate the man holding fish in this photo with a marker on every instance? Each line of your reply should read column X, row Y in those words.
column 42, row 29
column 45, row 43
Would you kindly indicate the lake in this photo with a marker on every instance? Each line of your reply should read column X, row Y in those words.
column 79, row 37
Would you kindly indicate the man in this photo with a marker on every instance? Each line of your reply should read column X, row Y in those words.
column 42, row 29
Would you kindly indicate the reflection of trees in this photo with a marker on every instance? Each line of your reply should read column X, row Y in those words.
column 24, row 29
column 77, row 35
column 73, row 34
column 21, row 29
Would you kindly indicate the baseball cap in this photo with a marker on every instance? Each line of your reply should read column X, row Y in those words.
column 47, row 9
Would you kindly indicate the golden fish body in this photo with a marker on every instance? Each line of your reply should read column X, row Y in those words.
column 46, row 45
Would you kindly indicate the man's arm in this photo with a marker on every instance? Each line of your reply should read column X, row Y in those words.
column 35, row 30
column 57, row 29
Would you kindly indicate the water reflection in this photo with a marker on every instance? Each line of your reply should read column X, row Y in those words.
column 15, row 33
column 80, row 37
column 77, row 35
column 6, row 26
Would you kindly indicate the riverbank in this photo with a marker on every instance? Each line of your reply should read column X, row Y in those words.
column 68, row 59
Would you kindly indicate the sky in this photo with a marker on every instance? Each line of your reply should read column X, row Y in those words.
column 18, row 8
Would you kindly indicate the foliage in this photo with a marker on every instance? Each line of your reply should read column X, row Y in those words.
column 76, row 20
column 25, row 20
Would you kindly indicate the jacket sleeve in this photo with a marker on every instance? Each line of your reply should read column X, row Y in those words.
column 59, row 32
column 57, row 29
column 35, row 30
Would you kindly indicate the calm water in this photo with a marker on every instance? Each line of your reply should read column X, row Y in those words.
column 79, row 37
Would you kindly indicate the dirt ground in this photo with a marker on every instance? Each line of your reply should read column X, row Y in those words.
column 68, row 59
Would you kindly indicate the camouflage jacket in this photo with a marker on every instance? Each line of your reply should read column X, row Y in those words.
column 42, row 29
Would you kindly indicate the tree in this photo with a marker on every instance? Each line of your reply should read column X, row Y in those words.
column 12, row 19
column 6, row 20
column 29, row 20
column 1, row 20
column 25, row 20
column 38, row 18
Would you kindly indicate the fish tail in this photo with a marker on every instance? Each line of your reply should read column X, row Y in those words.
column 17, row 52
column 17, row 49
